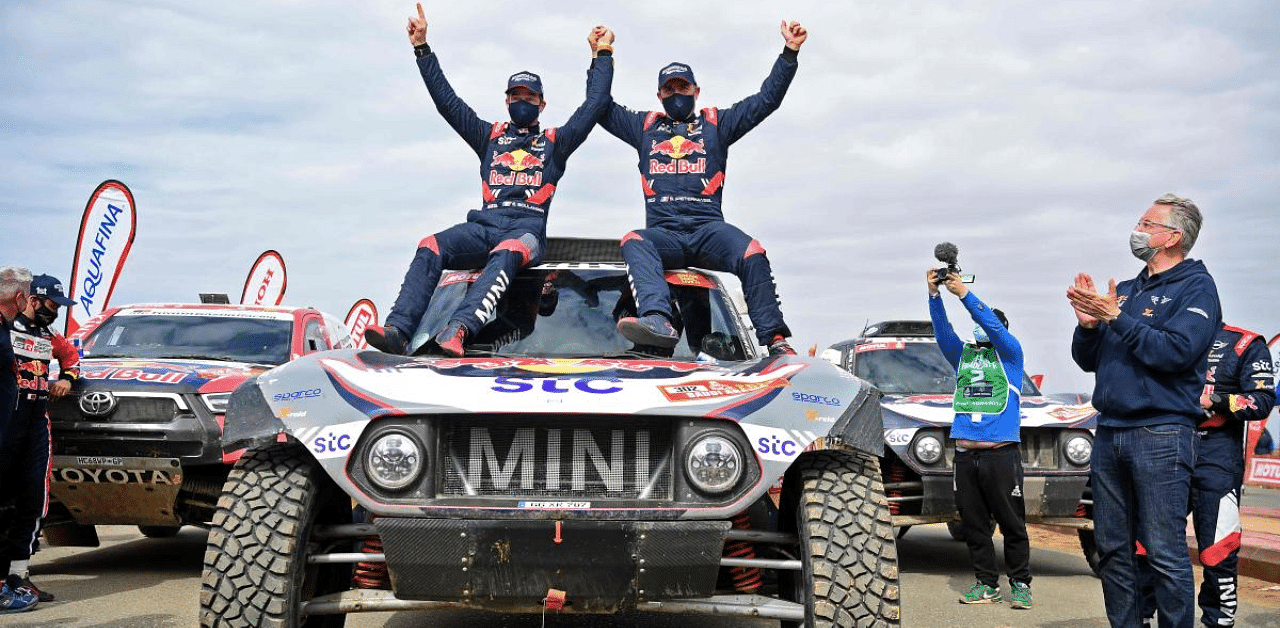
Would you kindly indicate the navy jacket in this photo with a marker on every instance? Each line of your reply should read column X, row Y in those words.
column 1150, row 363
column 519, row 168
column 8, row 380
column 1241, row 381
column 682, row 164
column 993, row 428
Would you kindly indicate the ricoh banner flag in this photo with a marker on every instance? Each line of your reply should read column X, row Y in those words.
column 106, row 234
column 362, row 314
column 266, row 281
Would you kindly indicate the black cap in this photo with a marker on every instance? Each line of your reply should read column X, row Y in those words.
column 525, row 79
column 48, row 287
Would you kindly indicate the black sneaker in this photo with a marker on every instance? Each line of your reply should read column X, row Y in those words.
column 453, row 339
column 387, row 339
column 44, row 596
column 653, row 330
column 780, row 346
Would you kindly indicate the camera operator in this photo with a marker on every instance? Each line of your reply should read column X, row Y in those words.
column 988, row 463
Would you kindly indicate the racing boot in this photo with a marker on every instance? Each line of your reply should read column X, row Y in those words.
column 652, row 329
column 451, row 340
column 387, row 339
column 780, row 346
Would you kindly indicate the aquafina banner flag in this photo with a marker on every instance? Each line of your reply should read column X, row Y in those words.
column 106, row 235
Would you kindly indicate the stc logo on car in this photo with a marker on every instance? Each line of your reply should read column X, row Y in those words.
column 592, row 385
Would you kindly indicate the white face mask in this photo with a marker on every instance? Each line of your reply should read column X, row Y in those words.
column 1140, row 246
column 980, row 334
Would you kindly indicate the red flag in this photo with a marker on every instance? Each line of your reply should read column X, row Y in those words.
column 362, row 314
column 266, row 282
column 106, row 235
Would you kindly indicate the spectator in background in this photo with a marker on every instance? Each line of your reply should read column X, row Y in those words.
column 988, row 462
column 1147, row 341
column 15, row 282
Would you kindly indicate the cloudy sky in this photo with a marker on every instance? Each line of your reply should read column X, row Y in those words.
column 1032, row 135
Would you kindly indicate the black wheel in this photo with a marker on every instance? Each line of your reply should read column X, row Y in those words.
column 1089, row 547
column 159, row 532
column 834, row 501
column 956, row 530
column 255, row 564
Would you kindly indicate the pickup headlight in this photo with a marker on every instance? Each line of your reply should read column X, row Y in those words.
column 216, row 402
column 927, row 449
column 1078, row 450
column 713, row 464
column 394, row 461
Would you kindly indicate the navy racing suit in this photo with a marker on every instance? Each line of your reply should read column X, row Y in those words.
column 1241, row 388
column 682, row 171
column 24, row 462
column 519, row 169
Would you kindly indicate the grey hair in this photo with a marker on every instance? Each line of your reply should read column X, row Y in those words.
column 1186, row 218
column 14, row 279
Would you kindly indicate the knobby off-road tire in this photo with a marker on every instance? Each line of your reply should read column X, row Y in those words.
column 255, row 563
column 836, row 502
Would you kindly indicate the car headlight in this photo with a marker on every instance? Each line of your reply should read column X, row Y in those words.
column 713, row 464
column 1078, row 449
column 216, row 402
column 928, row 449
column 394, row 461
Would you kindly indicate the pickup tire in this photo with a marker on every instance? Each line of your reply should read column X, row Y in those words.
column 255, row 563
column 834, row 501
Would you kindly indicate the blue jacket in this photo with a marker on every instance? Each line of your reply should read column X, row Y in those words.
column 682, row 164
column 1150, row 363
column 994, row 428
column 519, row 168
column 1240, row 377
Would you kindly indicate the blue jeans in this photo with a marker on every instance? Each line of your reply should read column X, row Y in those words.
column 1141, row 487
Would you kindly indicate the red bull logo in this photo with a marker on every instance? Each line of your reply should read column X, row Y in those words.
column 517, row 161
column 677, row 148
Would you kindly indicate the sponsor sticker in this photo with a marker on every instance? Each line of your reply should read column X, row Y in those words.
column 777, row 444
column 296, row 394
column 211, row 312
column 90, row 475
column 815, row 399
column 713, row 388
column 335, row 441
column 899, row 436
column 1071, row 413
column 879, row 346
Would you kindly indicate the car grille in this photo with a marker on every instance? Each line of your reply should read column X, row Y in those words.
column 555, row 457
column 128, row 410
column 1040, row 448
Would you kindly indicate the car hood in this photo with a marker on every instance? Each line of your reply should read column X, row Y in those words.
column 174, row 375
column 1037, row 411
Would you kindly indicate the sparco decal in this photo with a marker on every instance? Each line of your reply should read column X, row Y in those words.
column 362, row 314
column 712, row 388
column 266, row 282
column 106, row 235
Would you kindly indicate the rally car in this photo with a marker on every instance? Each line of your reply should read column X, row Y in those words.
column 139, row 442
column 557, row 468
column 903, row 360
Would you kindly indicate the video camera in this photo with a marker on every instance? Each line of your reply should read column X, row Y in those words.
column 947, row 254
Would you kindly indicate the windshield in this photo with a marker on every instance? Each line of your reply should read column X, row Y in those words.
column 213, row 337
column 574, row 313
column 916, row 368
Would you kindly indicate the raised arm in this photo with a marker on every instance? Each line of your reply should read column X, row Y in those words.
column 456, row 112
column 574, row 132
column 948, row 341
column 752, row 110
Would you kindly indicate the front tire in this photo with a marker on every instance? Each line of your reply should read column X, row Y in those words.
column 255, row 563
column 850, row 576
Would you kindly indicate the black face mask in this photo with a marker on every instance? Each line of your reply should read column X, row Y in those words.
column 523, row 114
column 678, row 106
column 44, row 316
